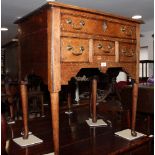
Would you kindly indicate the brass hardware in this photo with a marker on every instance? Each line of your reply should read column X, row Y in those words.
column 69, row 47
column 104, row 26
column 127, row 53
column 123, row 29
column 81, row 24
column 106, row 51
column 127, row 30
column 78, row 53
column 110, row 46
column 69, row 21
column 76, row 27
column 130, row 54
column 81, row 48
column 100, row 46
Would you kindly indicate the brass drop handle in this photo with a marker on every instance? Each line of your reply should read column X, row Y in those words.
column 106, row 51
column 78, row 53
column 69, row 48
column 80, row 26
column 110, row 46
column 100, row 46
column 74, row 26
column 128, row 31
column 127, row 53
column 130, row 54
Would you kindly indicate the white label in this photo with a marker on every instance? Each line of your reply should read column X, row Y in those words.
column 103, row 64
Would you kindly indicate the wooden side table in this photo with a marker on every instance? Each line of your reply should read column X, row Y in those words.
column 57, row 40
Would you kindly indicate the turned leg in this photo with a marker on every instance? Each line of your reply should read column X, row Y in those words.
column 94, row 96
column 55, row 120
column 134, row 108
column 24, row 99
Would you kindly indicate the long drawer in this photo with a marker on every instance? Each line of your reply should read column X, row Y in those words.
column 96, row 26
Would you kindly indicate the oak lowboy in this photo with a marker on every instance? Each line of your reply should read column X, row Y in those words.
column 57, row 40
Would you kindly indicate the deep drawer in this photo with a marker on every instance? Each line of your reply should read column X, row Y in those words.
column 127, row 52
column 74, row 50
column 104, row 47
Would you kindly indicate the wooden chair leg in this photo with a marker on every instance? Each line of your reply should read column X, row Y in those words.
column 24, row 99
column 94, row 96
column 134, row 108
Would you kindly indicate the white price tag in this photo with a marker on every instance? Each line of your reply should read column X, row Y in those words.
column 103, row 64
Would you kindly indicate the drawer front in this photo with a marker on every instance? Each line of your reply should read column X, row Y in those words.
column 74, row 50
column 105, row 27
column 104, row 48
column 127, row 31
column 114, row 29
column 127, row 52
column 78, row 24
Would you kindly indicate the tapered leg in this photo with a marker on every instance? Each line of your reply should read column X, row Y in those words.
column 55, row 120
column 94, row 92
column 134, row 108
column 24, row 98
